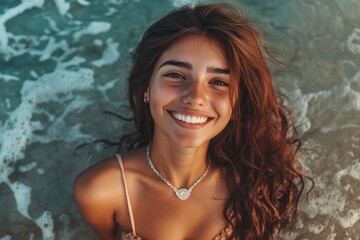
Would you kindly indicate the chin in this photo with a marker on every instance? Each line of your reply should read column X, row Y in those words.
column 188, row 142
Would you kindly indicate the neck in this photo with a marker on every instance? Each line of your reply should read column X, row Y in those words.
column 181, row 166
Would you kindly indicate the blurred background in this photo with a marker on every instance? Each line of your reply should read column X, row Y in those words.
column 63, row 65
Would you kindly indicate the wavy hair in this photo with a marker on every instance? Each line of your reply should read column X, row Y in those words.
column 259, row 146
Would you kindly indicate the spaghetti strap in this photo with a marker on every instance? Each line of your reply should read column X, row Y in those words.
column 126, row 193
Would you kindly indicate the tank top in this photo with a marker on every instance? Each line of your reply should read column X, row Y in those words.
column 132, row 235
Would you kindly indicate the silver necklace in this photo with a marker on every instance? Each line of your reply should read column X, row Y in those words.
column 181, row 193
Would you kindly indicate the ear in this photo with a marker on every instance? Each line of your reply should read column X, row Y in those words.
column 147, row 95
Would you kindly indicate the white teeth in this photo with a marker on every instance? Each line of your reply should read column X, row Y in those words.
column 189, row 119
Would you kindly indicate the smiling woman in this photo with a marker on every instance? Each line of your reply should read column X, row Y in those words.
column 215, row 152
column 186, row 88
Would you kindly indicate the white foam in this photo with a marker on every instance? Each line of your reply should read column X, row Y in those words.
column 94, row 28
column 110, row 54
column 20, row 46
column 46, row 224
column 72, row 62
column 347, row 93
column 51, row 47
column 18, row 130
column 109, row 85
column 19, row 127
column 332, row 235
column 300, row 103
column 318, row 228
column 48, row 86
column 52, row 24
column 288, row 235
column 34, row 74
column 352, row 43
column 83, row 2
column 341, row 93
column 335, row 127
column 40, row 171
column 330, row 199
column 62, row 6
column 98, row 42
column 8, row 78
column 5, row 171
column 179, row 3
column 299, row 223
column 7, row 237
column 22, row 194
column 350, row 218
column 8, row 104
column 27, row 167
column 352, row 170
column 13, row 12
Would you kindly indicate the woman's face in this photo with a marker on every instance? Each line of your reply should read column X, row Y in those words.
column 189, row 92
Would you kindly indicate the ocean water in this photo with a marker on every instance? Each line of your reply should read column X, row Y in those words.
column 63, row 64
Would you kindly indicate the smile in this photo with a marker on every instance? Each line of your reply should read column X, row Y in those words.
column 188, row 118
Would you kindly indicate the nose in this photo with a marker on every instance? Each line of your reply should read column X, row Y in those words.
column 195, row 94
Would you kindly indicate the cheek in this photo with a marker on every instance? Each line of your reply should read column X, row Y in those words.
column 160, row 97
column 223, row 105
column 163, row 92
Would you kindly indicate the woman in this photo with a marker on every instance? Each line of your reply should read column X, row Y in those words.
column 215, row 152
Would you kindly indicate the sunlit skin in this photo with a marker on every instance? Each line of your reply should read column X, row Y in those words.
column 191, row 79
column 189, row 101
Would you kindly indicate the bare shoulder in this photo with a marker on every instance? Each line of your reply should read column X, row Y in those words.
column 97, row 193
column 99, row 188
column 96, row 183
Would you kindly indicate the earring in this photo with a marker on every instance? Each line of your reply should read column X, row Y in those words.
column 146, row 100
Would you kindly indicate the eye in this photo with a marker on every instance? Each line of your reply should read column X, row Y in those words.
column 174, row 75
column 220, row 83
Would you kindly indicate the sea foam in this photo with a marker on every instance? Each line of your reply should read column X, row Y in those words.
column 352, row 43
column 13, row 12
column 62, row 6
column 179, row 3
column 110, row 55
column 93, row 28
column 19, row 128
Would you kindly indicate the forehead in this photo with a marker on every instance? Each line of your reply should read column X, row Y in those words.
column 198, row 50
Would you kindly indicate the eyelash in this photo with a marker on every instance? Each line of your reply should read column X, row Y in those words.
column 220, row 83
column 178, row 75
column 175, row 75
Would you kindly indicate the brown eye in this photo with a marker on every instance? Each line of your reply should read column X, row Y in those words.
column 220, row 83
column 174, row 75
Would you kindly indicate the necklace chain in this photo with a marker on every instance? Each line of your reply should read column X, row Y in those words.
column 182, row 193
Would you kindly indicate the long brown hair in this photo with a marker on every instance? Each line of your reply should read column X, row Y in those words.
column 259, row 146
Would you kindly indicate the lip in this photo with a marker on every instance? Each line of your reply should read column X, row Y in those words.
column 192, row 114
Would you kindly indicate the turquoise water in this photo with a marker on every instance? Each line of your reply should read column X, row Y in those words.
column 63, row 63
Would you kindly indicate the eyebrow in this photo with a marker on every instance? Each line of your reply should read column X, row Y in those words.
column 189, row 66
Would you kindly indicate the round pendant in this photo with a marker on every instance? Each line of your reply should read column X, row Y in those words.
column 183, row 194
